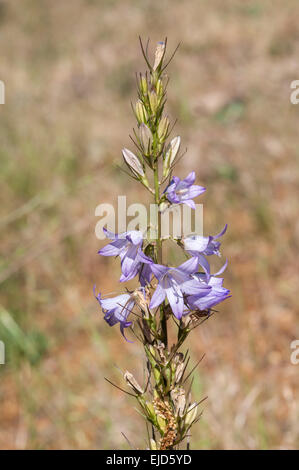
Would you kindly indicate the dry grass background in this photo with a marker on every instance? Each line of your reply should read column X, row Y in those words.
column 69, row 74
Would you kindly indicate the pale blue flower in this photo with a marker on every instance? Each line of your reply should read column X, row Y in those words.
column 116, row 310
column 128, row 246
column 174, row 283
column 183, row 191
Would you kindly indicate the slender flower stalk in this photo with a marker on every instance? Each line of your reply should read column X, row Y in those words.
column 166, row 297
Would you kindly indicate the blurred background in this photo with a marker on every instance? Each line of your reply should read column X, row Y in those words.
column 69, row 71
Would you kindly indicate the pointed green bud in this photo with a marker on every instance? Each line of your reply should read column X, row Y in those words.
column 153, row 444
column 167, row 375
column 159, row 88
column 163, row 206
column 163, row 128
column 143, row 86
column 150, row 410
column 132, row 382
column 161, row 423
column 133, row 163
column 146, row 138
column 159, row 54
column 170, row 155
column 141, row 113
column 157, row 375
column 153, row 98
column 191, row 414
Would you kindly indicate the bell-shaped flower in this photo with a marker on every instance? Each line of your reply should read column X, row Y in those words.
column 199, row 246
column 117, row 309
column 183, row 191
column 215, row 295
column 173, row 283
column 195, row 244
column 128, row 246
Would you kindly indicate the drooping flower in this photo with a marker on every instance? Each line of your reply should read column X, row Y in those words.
column 197, row 245
column 215, row 295
column 183, row 191
column 128, row 246
column 117, row 309
column 173, row 283
column 145, row 274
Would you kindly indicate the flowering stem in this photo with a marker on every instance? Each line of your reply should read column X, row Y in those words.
column 164, row 399
column 159, row 250
column 157, row 200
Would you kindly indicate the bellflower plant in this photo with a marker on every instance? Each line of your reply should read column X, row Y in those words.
column 165, row 297
column 183, row 191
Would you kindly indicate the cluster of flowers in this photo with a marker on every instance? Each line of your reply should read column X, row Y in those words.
column 185, row 288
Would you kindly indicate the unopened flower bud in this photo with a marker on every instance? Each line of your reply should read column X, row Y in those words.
column 141, row 113
column 159, row 88
column 153, row 444
column 146, row 138
column 191, row 414
column 150, row 410
column 161, row 423
column 163, row 206
column 133, row 163
column 163, row 128
column 170, row 155
column 132, row 382
column 159, row 54
column 153, row 98
column 157, row 375
column 167, row 375
column 179, row 399
column 179, row 372
column 143, row 86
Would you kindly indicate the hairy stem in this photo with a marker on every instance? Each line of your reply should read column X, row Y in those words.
column 159, row 251
column 157, row 200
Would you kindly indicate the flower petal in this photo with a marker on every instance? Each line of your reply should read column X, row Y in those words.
column 176, row 300
column 196, row 243
column 190, row 203
column 159, row 270
column 135, row 237
column 190, row 266
column 193, row 192
column 158, row 297
column 113, row 248
column 222, row 232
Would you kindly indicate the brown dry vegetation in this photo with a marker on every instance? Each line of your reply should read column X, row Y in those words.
column 69, row 74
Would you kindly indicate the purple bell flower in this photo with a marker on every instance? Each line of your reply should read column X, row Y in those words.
column 199, row 246
column 145, row 273
column 174, row 283
column 183, row 191
column 116, row 310
column 128, row 246
column 215, row 295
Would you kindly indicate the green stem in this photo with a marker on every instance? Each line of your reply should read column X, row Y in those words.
column 159, row 251
column 157, row 200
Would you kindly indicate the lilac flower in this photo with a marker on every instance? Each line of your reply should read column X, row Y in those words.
column 145, row 273
column 183, row 191
column 198, row 246
column 174, row 283
column 116, row 310
column 127, row 246
column 215, row 295
column 205, row 245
